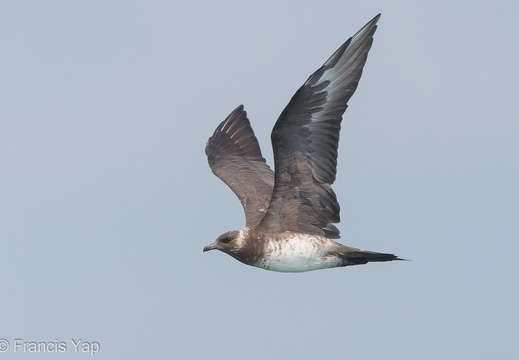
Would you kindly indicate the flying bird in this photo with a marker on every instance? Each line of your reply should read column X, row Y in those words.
column 290, row 212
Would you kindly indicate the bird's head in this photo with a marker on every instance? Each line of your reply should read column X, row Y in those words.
column 229, row 243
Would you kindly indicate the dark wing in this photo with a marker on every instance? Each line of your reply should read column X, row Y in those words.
column 305, row 140
column 235, row 157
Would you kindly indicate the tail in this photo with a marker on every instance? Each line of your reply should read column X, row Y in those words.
column 360, row 257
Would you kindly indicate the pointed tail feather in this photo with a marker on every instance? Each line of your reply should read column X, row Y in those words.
column 363, row 257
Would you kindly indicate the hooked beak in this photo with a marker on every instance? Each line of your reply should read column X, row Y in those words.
column 210, row 247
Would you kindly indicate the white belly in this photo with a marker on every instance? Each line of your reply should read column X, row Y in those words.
column 297, row 254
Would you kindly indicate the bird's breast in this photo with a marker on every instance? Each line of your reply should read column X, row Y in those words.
column 297, row 253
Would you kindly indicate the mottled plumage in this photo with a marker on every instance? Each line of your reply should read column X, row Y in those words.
column 290, row 212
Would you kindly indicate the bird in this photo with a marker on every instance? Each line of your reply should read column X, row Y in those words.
column 290, row 212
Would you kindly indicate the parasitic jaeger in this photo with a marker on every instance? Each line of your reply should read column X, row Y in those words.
column 290, row 212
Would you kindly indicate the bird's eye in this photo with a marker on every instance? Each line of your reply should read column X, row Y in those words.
column 226, row 240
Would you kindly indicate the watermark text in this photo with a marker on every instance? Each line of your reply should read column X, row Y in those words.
column 78, row 345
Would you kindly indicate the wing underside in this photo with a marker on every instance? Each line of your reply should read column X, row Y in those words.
column 305, row 141
column 235, row 157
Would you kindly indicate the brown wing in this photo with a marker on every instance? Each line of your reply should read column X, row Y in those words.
column 305, row 140
column 235, row 157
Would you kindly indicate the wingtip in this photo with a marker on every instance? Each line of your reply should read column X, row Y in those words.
column 239, row 109
column 375, row 19
column 368, row 29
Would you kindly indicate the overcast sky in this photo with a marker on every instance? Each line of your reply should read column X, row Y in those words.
column 106, row 198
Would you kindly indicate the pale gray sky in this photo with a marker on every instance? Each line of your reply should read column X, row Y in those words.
column 106, row 198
